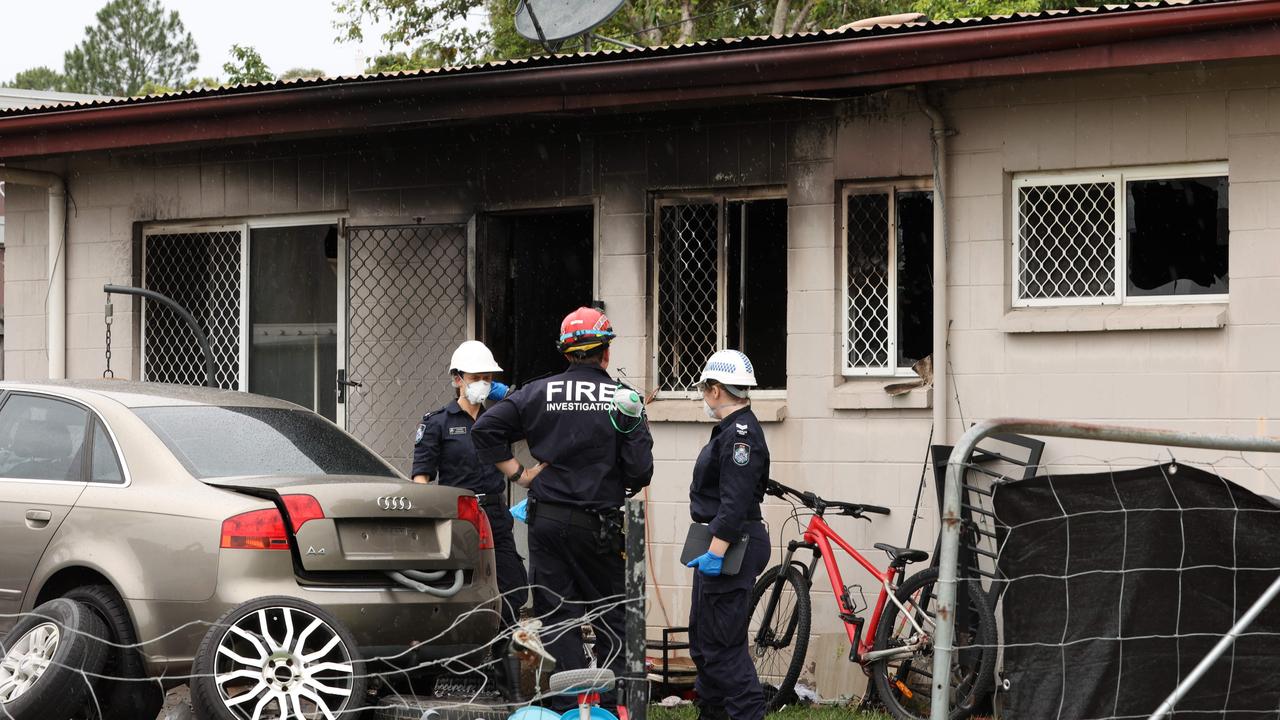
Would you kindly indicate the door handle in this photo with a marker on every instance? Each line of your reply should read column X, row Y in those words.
column 37, row 519
column 343, row 384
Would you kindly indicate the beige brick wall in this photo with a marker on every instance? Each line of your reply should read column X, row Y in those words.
column 1222, row 380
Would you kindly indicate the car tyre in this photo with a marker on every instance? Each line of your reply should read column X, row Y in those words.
column 51, row 661
column 123, row 693
column 281, row 654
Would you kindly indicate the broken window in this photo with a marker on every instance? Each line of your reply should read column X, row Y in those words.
column 721, row 283
column 888, row 278
column 1137, row 234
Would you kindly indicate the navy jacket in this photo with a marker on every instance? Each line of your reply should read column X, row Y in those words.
column 729, row 476
column 565, row 418
column 443, row 445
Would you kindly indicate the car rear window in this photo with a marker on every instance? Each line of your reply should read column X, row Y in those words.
column 236, row 441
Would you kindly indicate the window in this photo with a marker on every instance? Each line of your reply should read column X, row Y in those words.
column 888, row 278
column 105, row 467
column 232, row 441
column 265, row 294
column 1121, row 236
column 41, row 438
column 721, row 283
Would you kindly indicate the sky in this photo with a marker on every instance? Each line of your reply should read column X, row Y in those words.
column 288, row 33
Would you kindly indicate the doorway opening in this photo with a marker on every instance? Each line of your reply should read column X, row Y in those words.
column 532, row 269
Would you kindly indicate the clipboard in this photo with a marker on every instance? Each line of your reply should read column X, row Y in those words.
column 699, row 541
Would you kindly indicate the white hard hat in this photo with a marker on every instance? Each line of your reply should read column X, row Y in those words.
column 729, row 367
column 473, row 357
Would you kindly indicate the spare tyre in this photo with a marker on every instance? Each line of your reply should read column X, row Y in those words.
column 278, row 657
column 51, row 661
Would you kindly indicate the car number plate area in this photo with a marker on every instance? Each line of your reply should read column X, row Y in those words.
column 397, row 540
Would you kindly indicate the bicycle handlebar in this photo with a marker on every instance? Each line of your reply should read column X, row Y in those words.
column 813, row 502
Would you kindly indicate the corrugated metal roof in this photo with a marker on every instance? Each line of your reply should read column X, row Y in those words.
column 614, row 55
column 18, row 98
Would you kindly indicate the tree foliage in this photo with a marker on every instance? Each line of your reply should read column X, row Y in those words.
column 427, row 34
column 246, row 66
column 301, row 72
column 135, row 42
column 39, row 78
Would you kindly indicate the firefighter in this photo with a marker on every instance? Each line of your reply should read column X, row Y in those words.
column 588, row 464
column 728, row 487
column 442, row 449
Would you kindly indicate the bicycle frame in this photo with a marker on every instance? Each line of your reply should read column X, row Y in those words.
column 818, row 538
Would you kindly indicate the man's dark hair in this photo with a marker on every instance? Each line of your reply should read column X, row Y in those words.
column 594, row 356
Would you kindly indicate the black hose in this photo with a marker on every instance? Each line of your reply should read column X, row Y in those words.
column 182, row 312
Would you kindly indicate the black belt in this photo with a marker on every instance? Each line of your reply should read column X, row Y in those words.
column 568, row 515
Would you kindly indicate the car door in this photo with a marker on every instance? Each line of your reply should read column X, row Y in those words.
column 42, row 466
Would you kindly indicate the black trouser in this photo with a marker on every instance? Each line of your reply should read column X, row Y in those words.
column 574, row 576
column 513, row 581
column 727, row 683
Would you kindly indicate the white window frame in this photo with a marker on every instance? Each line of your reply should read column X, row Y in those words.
column 1118, row 177
column 721, row 200
column 890, row 188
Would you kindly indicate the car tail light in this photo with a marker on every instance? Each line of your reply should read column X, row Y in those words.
column 302, row 508
column 255, row 530
column 469, row 510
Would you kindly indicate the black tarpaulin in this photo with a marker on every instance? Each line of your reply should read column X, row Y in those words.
column 1120, row 583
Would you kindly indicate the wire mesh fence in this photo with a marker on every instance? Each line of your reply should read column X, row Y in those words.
column 1114, row 578
column 201, row 271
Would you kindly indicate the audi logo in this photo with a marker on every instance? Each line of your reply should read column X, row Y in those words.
column 391, row 502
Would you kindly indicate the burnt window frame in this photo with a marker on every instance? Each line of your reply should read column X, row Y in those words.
column 721, row 198
column 1119, row 178
column 891, row 188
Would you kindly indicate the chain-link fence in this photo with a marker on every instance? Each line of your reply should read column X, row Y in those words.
column 1066, row 241
column 688, row 291
column 201, row 271
column 407, row 312
column 867, row 318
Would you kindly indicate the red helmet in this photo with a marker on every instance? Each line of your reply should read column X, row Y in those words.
column 584, row 329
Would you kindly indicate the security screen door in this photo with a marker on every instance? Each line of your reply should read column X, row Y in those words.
column 406, row 312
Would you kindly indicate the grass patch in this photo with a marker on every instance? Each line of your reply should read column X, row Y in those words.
column 795, row 712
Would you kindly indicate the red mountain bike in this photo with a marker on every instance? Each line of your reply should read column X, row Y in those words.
column 897, row 652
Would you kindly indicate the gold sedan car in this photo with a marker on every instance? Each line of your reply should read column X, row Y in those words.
column 183, row 516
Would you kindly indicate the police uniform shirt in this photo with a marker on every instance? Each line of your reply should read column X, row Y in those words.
column 729, row 476
column 565, row 419
column 443, row 444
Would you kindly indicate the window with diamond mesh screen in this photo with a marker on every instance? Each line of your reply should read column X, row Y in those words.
column 688, row 302
column 407, row 312
column 867, row 292
column 1067, row 241
column 201, row 272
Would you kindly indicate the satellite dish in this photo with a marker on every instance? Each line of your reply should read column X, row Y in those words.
column 554, row 21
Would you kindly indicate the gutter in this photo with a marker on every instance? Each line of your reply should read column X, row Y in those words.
column 56, row 305
column 938, row 133
column 651, row 76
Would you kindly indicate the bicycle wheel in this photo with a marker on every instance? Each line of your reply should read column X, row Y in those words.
column 779, row 642
column 904, row 682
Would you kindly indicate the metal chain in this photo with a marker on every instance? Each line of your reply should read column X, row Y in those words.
column 108, row 315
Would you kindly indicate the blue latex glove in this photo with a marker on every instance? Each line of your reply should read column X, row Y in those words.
column 521, row 511
column 708, row 563
column 497, row 391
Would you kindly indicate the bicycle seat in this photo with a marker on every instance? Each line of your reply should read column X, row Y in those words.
column 905, row 555
column 581, row 682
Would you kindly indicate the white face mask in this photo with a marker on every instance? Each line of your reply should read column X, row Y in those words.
column 710, row 411
column 477, row 391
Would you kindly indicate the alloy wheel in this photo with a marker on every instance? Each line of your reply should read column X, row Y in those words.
column 27, row 660
column 282, row 663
